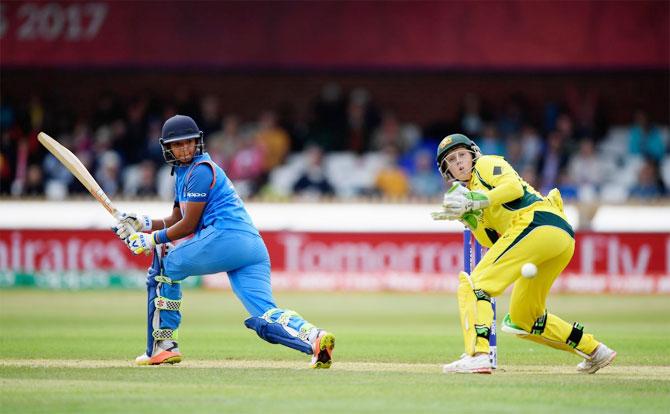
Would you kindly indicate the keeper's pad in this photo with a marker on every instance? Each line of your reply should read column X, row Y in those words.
column 285, row 327
column 540, row 336
column 163, row 304
column 474, row 307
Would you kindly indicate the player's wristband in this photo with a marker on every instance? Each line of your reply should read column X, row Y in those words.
column 161, row 236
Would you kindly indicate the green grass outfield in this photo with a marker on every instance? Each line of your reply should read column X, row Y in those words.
column 72, row 352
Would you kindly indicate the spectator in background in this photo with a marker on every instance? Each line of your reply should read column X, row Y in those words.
column 583, row 104
column 274, row 141
column 154, row 151
column 329, row 117
column 22, row 154
column 649, row 183
column 645, row 138
column 247, row 167
column 7, row 113
column 553, row 161
column 210, row 114
column 34, row 185
column 107, row 110
column 512, row 117
column 531, row 144
column 291, row 121
column 514, row 154
column 108, row 173
column 184, row 101
column 586, row 170
column 569, row 189
column 5, row 173
column 36, row 113
column 362, row 119
column 566, row 129
column 131, row 133
column 471, row 118
column 146, row 186
column 117, row 132
column 391, row 181
column 550, row 113
column 391, row 132
column 313, row 183
column 81, row 137
column 425, row 181
column 226, row 142
column 490, row 141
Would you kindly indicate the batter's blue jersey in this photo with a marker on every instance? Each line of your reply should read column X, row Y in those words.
column 204, row 181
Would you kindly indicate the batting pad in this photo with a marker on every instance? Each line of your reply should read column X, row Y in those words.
column 277, row 333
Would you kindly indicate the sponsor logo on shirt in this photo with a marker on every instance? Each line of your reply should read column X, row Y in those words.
column 196, row 194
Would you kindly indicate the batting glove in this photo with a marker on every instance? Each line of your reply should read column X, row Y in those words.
column 140, row 243
column 133, row 221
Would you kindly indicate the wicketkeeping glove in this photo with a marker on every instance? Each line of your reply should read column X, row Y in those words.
column 441, row 215
column 471, row 219
column 463, row 205
column 458, row 202
column 140, row 243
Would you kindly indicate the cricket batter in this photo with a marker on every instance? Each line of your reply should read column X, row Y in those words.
column 523, row 230
column 208, row 208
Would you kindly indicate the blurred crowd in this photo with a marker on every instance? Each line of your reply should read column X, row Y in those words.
column 345, row 145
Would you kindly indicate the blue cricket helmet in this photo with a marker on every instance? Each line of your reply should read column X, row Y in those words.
column 180, row 128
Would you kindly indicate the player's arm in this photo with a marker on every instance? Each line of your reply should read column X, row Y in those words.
column 132, row 222
column 187, row 224
column 198, row 188
column 144, row 242
column 504, row 183
column 167, row 221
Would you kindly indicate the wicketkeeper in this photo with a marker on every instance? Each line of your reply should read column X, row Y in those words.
column 520, row 227
column 224, row 239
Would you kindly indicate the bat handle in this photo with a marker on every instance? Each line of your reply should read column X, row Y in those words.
column 116, row 214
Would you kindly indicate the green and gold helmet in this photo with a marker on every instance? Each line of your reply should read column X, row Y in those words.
column 449, row 143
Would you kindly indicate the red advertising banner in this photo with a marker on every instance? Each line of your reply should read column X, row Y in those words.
column 65, row 250
column 603, row 262
column 295, row 34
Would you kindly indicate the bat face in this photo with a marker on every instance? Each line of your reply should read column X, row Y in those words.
column 74, row 165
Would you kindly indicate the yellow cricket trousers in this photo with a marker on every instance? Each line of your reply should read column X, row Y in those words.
column 540, row 236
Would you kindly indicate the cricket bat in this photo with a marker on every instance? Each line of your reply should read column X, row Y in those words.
column 72, row 163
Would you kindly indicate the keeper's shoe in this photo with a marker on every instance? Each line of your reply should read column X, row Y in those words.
column 322, row 348
column 478, row 364
column 601, row 357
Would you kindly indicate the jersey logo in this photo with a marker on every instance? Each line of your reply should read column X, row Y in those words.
column 497, row 170
column 196, row 194
column 446, row 141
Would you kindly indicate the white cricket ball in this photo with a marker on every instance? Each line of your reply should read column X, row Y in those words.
column 529, row 270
